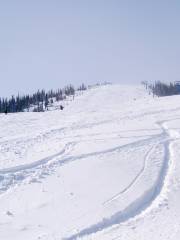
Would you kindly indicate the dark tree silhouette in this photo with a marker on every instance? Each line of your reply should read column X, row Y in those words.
column 161, row 89
column 38, row 102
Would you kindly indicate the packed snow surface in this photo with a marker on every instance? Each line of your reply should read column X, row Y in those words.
column 106, row 167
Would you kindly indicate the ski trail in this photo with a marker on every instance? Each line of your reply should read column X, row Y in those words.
column 43, row 161
column 43, row 167
column 144, row 202
column 134, row 180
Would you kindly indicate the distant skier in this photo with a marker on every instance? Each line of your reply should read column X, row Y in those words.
column 61, row 107
column 6, row 111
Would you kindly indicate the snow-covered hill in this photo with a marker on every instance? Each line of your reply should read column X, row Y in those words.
column 106, row 167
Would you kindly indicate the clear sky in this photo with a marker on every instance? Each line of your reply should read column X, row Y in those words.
column 49, row 43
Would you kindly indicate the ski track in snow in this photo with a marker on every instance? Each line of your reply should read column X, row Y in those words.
column 144, row 202
column 14, row 175
column 39, row 169
column 133, row 181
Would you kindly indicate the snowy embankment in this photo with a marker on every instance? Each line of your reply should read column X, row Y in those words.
column 100, row 169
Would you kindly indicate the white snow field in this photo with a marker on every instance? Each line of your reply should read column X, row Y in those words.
column 106, row 167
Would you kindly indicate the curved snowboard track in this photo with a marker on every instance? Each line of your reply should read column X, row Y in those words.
column 142, row 203
column 14, row 175
column 134, row 180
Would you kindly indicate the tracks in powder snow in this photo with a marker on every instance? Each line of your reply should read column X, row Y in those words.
column 145, row 200
column 116, row 196
column 33, row 172
column 36, row 170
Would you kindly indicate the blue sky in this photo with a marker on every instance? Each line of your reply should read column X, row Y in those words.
column 50, row 43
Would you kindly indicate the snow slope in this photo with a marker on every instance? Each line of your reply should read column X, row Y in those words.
column 106, row 167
